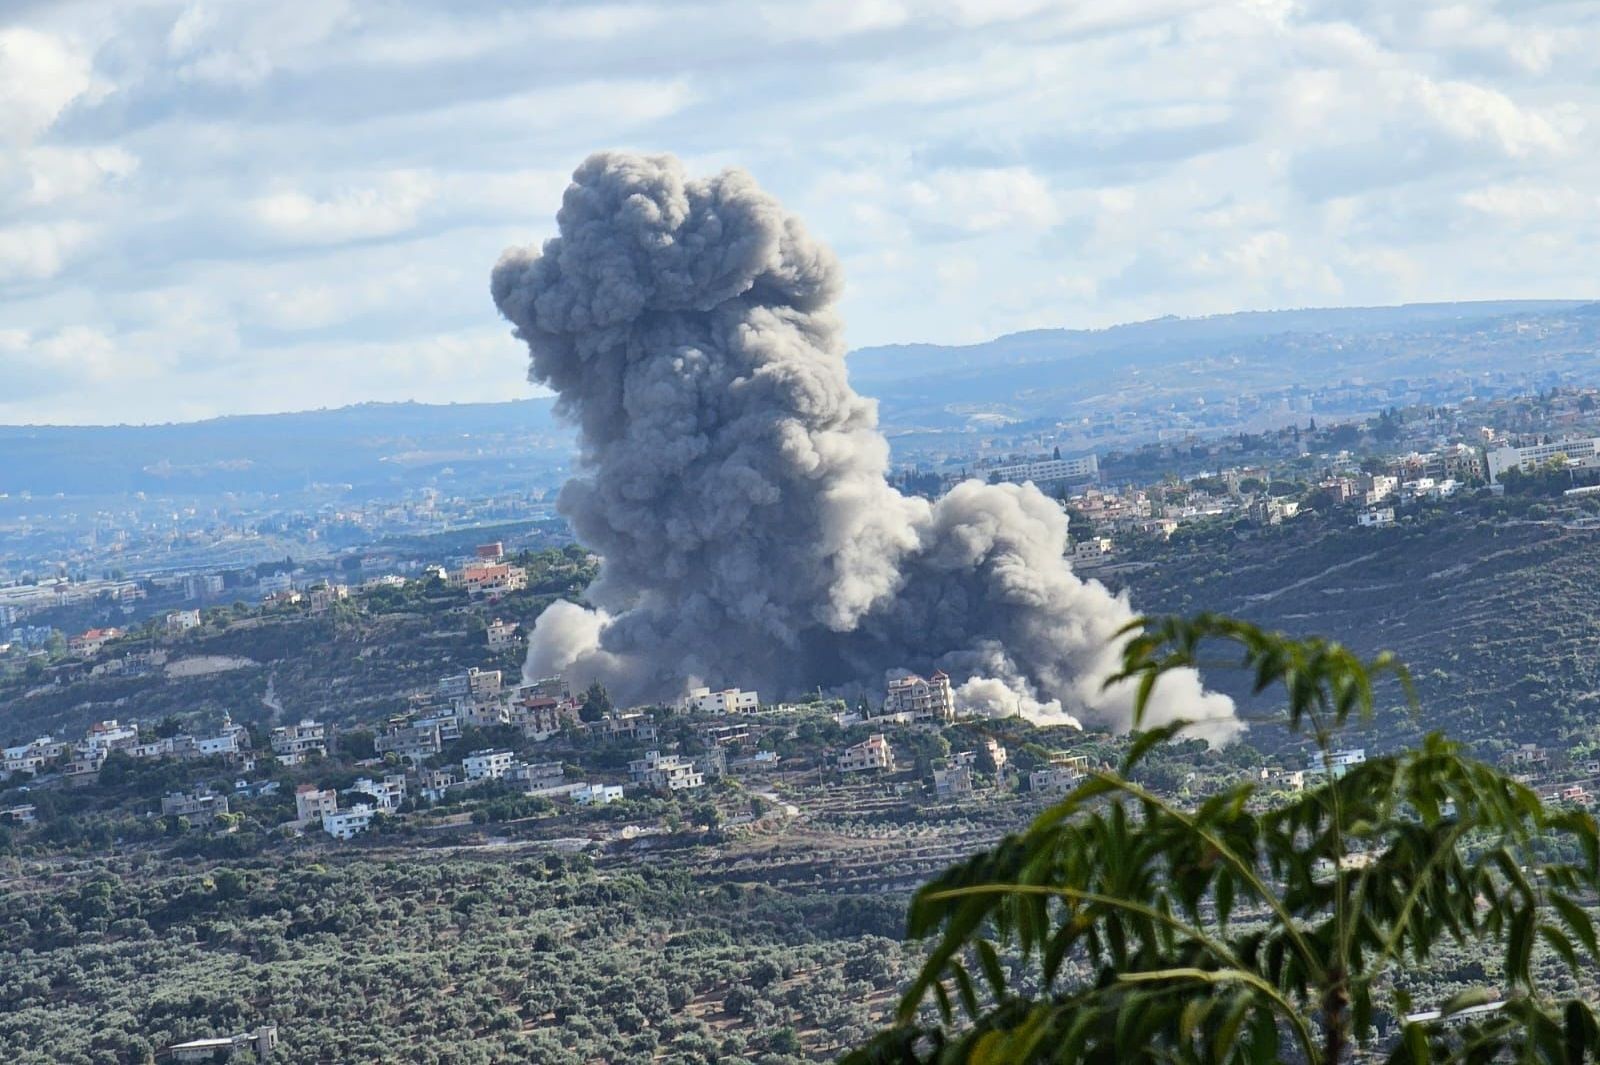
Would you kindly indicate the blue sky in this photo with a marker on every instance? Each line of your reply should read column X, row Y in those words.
column 233, row 207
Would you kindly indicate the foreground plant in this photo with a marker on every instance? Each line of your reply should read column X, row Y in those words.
column 1122, row 928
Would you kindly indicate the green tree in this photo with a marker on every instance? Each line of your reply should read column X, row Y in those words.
column 1120, row 927
column 596, row 703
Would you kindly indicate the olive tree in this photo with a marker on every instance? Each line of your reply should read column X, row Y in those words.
column 1120, row 927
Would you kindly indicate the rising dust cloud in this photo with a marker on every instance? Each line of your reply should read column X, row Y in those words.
column 734, row 483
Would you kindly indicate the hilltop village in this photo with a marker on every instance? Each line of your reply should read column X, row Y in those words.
column 483, row 744
column 301, row 699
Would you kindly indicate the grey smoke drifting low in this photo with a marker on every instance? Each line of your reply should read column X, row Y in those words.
column 734, row 484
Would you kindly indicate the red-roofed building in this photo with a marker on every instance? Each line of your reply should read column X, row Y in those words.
column 91, row 642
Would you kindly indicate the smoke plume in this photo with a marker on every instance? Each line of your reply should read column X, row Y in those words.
column 734, row 484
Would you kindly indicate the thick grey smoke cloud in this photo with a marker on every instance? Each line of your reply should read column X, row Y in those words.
column 734, row 484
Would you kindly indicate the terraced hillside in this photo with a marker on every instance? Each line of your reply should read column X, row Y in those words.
column 1499, row 622
column 355, row 663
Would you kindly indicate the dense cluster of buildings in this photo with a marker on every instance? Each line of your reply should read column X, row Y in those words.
column 83, row 758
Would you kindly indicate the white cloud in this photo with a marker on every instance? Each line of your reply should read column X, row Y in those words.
column 981, row 200
column 40, row 251
column 239, row 45
column 62, row 174
column 39, row 76
column 1475, row 114
column 1531, row 203
column 293, row 204
column 391, row 206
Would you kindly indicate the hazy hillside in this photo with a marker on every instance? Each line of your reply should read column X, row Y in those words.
column 1041, row 374
column 1500, row 624
column 516, row 444
column 1045, row 373
column 1171, row 361
column 1153, row 342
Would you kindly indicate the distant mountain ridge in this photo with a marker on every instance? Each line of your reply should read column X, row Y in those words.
column 1039, row 374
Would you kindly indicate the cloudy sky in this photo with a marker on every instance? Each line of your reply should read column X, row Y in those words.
column 211, row 207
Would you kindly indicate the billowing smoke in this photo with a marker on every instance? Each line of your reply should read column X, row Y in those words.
column 734, row 484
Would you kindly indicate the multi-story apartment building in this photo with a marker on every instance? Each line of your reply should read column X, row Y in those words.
column 387, row 794
column 666, row 772
column 953, row 782
column 1049, row 471
column 538, row 776
column 493, row 579
column 34, row 756
column 312, row 802
column 638, row 727
column 1527, row 459
column 201, row 803
column 542, row 716
column 1338, row 763
column 872, row 753
column 411, row 742
column 475, row 683
column 597, row 794
column 90, row 643
column 502, row 635
column 276, row 584
column 292, row 744
column 202, row 586
column 347, row 824
column 105, row 736
column 487, row 764
column 925, row 700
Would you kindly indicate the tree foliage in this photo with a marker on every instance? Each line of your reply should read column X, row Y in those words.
column 1122, row 928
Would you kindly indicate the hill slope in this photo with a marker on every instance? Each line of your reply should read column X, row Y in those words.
column 1500, row 624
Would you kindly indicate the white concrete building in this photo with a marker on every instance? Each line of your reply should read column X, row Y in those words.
column 33, row 756
column 924, row 700
column 411, row 742
column 502, row 635
column 666, row 772
column 215, row 746
column 346, row 824
column 1053, row 780
column 446, row 722
column 597, row 794
column 387, row 794
column 872, row 753
column 324, row 596
column 1337, row 762
column 262, row 1042
column 475, row 684
column 292, row 744
column 727, row 701
column 538, row 776
column 952, row 783
column 1061, row 775
column 1528, row 459
column 311, row 802
column 1049, row 471
column 1381, row 488
column 1376, row 519
column 183, row 620
column 106, row 736
column 202, row 802
column 202, row 585
column 275, row 585
column 487, row 764
column 1093, row 549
